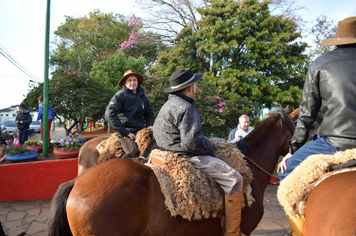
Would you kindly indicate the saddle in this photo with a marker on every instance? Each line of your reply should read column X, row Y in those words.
column 189, row 192
column 111, row 148
column 294, row 190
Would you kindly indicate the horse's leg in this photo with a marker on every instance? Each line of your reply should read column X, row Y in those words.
column 88, row 154
column 58, row 223
column 330, row 208
column 251, row 216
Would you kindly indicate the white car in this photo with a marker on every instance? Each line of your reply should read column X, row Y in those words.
column 36, row 126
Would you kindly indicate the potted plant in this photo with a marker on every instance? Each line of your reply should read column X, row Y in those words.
column 68, row 147
column 35, row 145
column 17, row 153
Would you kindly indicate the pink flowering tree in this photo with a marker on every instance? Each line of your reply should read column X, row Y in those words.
column 220, row 110
column 142, row 43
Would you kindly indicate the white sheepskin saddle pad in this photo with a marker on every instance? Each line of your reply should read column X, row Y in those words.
column 189, row 192
column 111, row 148
column 294, row 190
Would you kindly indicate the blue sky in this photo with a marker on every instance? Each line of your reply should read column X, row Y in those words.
column 22, row 32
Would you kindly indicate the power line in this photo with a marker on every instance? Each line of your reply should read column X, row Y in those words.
column 13, row 61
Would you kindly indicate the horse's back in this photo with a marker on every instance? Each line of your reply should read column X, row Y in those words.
column 88, row 154
column 330, row 208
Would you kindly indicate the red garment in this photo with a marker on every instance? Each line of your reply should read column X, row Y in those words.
column 49, row 130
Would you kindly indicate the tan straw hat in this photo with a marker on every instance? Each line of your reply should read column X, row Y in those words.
column 345, row 33
column 127, row 74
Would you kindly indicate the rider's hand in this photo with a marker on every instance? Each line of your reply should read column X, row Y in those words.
column 282, row 165
column 150, row 127
column 131, row 136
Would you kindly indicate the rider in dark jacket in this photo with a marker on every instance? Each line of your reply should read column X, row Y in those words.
column 129, row 111
column 329, row 87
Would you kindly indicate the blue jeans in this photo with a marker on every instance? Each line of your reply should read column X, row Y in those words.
column 23, row 136
column 317, row 146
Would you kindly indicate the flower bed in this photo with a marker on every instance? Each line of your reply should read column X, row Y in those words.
column 64, row 154
column 21, row 157
column 34, row 145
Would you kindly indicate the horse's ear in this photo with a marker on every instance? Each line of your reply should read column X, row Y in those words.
column 287, row 108
column 294, row 114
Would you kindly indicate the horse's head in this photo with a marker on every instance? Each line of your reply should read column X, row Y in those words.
column 272, row 134
column 288, row 121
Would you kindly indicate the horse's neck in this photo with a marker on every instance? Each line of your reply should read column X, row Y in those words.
column 265, row 151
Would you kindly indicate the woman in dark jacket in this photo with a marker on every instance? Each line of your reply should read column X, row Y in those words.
column 129, row 111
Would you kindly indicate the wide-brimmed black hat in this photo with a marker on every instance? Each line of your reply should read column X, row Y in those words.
column 127, row 74
column 182, row 79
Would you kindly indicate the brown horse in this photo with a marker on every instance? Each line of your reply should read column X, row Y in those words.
column 88, row 154
column 121, row 197
column 331, row 205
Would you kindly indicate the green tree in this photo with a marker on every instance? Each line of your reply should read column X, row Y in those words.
column 72, row 97
column 247, row 55
column 323, row 29
column 75, row 97
column 81, row 41
column 110, row 71
column 96, row 41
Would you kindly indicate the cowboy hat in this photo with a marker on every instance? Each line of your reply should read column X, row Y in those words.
column 182, row 79
column 345, row 33
column 127, row 74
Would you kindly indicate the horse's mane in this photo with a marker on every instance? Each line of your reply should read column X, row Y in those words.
column 243, row 145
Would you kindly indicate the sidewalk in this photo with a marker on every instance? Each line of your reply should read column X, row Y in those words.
column 32, row 217
column 55, row 135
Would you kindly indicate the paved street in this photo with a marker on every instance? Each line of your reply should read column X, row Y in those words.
column 32, row 217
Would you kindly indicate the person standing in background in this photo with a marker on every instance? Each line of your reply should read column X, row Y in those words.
column 242, row 129
column 40, row 117
column 23, row 121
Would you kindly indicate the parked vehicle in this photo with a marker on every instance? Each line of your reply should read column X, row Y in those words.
column 36, row 126
column 4, row 132
column 10, row 125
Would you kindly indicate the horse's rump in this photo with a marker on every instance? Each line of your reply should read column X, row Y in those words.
column 330, row 209
column 122, row 197
column 189, row 192
column 294, row 189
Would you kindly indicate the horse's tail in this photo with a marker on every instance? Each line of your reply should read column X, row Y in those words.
column 58, row 222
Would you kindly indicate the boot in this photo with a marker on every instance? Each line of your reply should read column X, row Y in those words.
column 296, row 226
column 233, row 214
